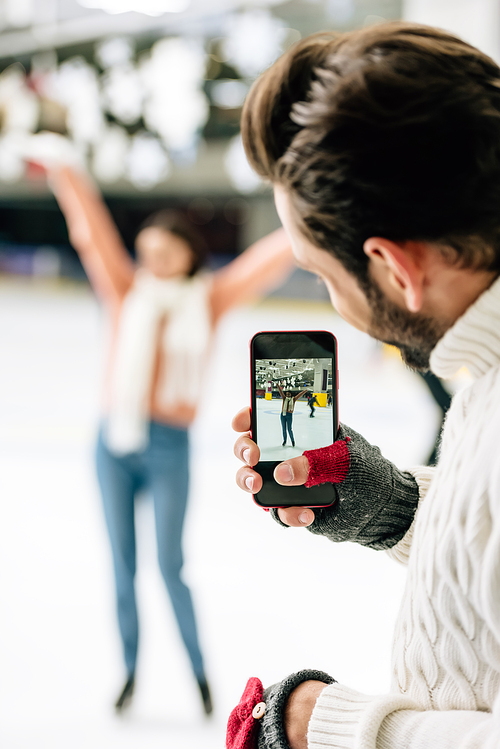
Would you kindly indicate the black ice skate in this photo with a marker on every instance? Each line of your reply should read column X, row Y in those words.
column 205, row 696
column 125, row 698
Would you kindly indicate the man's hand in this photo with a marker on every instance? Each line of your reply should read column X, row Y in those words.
column 291, row 472
column 279, row 715
column 375, row 501
column 298, row 712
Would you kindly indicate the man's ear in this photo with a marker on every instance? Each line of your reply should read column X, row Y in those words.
column 397, row 268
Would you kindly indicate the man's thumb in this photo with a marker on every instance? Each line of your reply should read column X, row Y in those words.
column 292, row 472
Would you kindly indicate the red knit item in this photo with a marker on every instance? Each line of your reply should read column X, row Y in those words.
column 242, row 727
column 328, row 465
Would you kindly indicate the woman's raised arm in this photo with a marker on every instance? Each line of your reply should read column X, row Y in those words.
column 93, row 233
column 299, row 395
column 262, row 267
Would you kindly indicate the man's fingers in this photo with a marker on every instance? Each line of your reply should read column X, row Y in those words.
column 292, row 472
column 246, row 450
column 296, row 517
column 242, row 421
column 248, row 480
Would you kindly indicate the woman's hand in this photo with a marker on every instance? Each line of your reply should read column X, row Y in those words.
column 291, row 472
column 51, row 151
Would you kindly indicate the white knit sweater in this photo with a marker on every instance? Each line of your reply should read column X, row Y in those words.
column 446, row 654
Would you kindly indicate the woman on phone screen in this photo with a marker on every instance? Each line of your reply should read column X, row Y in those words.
column 162, row 311
column 286, row 416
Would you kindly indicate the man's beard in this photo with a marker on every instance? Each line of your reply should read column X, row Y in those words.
column 413, row 334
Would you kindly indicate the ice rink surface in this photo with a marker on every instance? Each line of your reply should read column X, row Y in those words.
column 309, row 432
column 270, row 601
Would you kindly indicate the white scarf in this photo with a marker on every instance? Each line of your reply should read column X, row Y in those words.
column 288, row 404
column 185, row 342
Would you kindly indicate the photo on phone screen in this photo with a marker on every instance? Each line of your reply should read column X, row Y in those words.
column 294, row 408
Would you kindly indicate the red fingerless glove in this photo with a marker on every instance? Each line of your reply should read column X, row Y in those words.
column 376, row 501
column 328, row 465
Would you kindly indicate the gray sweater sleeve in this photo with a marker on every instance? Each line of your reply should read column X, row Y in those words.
column 375, row 502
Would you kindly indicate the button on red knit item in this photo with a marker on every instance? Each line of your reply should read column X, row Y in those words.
column 242, row 727
column 328, row 465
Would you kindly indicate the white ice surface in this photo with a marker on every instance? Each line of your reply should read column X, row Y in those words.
column 309, row 432
column 270, row 601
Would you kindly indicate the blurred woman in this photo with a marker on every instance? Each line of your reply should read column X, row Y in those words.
column 163, row 312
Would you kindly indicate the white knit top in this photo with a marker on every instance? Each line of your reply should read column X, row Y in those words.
column 446, row 654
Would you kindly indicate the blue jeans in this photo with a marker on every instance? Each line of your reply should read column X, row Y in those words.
column 163, row 469
column 286, row 423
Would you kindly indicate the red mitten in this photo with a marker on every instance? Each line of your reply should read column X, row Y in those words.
column 243, row 726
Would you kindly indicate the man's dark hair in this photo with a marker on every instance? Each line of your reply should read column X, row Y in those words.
column 392, row 131
column 173, row 221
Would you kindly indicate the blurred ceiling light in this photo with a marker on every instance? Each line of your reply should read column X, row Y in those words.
column 75, row 85
column 19, row 105
column 174, row 62
column 147, row 162
column 123, row 93
column 147, row 7
column 254, row 40
column 238, row 169
column 110, row 154
column 116, row 51
column 228, row 94
column 178, row 120
column 12, row 164
column 175, row 106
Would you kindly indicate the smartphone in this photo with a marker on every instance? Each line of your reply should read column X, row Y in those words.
column 294, row 383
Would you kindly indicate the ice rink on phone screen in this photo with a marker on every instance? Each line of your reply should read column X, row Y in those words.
column 309, row 433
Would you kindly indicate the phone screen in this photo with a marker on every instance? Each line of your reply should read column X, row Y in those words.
column 294, row 407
